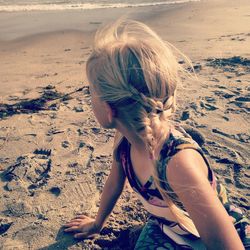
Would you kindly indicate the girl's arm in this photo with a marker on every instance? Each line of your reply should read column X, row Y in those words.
column 83, row 226
column 187, row 176
column 111, row 192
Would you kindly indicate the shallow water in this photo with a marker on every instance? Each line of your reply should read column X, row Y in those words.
column 31, row 5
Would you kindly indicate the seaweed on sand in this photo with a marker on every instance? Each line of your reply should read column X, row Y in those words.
column 35, row 105
column 229, row 64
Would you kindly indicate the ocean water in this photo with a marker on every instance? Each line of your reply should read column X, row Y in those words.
column 47, row 5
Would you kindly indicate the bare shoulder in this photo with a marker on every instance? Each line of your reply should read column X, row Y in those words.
column 187, row 175
column 188, row 164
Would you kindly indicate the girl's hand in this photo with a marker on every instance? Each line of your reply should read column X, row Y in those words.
column 83, row 227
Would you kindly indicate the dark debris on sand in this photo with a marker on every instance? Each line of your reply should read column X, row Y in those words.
column 29, row 106
column 230, row 64
column 5, row 224
column 35, row 105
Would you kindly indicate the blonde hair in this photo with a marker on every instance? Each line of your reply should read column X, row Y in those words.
column 137, row 74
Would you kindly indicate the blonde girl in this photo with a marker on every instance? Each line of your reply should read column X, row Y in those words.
column 133, row 78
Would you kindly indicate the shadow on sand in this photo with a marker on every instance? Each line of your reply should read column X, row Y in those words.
column 126, row 240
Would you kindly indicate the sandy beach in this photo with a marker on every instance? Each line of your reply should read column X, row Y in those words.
column 55, row 158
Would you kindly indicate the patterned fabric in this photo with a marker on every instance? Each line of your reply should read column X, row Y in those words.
column 152, row 238
column 154, row 203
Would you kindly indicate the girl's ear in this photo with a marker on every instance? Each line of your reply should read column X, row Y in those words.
column 111, row 113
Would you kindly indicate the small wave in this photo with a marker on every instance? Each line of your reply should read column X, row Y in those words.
column 82, row 6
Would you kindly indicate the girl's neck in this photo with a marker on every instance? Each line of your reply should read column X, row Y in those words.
column 134, row 139
column 137, row 142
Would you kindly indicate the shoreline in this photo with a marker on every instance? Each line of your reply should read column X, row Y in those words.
column 85, row 6
column 81, row 20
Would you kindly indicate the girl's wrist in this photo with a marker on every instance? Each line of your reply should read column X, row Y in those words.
column 98, row 226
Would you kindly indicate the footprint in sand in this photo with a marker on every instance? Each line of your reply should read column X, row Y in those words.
column 29, row 171
column 5, row 224
column 18, row 208
column 78, row 109
column 33, row 235
column 242, row 137
column 224, row 154
column 195, row 134
column 10, row 244
column 207, row 106
column 81, row 195
column 194, row 107
column 65, row 144
column 243, row 99
column 223, row 94
column 242, row 102
column 210, row 99
column 239, row 176
column 54, row 130
column 214, row 79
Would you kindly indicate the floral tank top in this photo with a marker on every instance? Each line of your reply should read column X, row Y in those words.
column 155, row 204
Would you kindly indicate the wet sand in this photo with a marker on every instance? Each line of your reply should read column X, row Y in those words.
column 55, row 158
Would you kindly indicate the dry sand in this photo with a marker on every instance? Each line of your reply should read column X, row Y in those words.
column 55, row 158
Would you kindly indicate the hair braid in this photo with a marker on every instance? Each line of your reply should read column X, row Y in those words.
column 155, row 112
